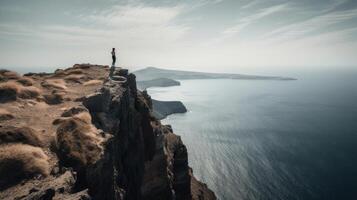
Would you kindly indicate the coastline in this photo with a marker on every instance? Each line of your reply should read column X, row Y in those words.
column 122, row 151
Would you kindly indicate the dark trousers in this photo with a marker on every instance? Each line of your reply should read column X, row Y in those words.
column 114, row 59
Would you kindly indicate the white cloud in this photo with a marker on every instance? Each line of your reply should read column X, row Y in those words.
column 134, row 24
column 130, row 16
column 244, row 22
column 315, row 24
column 165, row 36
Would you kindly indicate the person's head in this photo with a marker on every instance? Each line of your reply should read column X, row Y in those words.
column 113, row 49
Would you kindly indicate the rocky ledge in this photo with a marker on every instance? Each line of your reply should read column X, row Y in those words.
column 77, row 134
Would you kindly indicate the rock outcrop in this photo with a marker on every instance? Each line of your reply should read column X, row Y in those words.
column 162, row 109
column 152, row 73
column 159, row 82
column 147, row 161
column 104, row 145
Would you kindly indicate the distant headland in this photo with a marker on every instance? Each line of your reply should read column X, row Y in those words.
column 158, row 77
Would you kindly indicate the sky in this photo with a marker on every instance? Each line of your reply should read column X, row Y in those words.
column 205, row 35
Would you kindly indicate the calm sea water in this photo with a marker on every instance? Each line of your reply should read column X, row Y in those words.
column 271, row 139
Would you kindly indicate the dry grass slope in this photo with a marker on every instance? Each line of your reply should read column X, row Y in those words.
column 54, row 84
column 19, row 161
column 84, row 117
column 74, row 78
column 93, row 82
column 24, row 135
column 5, row 115
column 81, row 66
column 6, row 75
column 26, row 81
column 73, row 111
column 56, row 97
column 74, row 71
column 8, row 91
column 29, row 92
column 78, row 143
column 59, row 73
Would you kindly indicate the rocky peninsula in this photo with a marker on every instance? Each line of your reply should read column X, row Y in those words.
column 76, row 134
column 152, row 73
column 162, row 109
column 158, row 82
column 158, row 77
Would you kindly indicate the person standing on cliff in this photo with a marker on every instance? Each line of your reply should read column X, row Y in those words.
column 114, row 58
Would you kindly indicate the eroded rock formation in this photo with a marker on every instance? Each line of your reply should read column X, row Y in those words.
column 104, row 142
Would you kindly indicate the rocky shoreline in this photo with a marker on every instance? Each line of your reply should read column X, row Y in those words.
column 76, row 134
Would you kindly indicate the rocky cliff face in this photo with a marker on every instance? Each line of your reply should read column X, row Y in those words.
column 108, row 146
column 143, row 159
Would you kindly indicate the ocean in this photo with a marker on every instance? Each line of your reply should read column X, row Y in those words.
column 255, row 139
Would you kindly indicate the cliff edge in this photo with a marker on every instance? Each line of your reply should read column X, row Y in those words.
column 77, row 134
